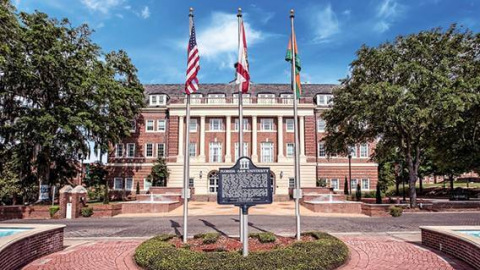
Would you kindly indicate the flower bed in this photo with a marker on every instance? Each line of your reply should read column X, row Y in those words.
column 315, row 251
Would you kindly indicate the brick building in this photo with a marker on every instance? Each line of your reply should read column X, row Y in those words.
column 268, row 138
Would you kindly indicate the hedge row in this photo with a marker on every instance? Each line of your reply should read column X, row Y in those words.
column 326, row 252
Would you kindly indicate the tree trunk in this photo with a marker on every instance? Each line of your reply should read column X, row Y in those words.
column 420, row 179
column 450, row 177
column 397, row 186
column 434, row 178
column 412, row 179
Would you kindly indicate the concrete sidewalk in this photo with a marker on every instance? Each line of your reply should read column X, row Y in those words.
column 214, row 209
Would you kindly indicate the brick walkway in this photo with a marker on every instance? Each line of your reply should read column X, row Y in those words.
column 384, row 253
column 367, row 252
column 100, row 255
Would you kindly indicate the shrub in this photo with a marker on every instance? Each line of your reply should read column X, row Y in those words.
column 378, row 195
column 345, row 186
column 326, row 252
column 264, row 237
column 53, row 210
column 358, row 193
column 208, row 238
column 86, row 211
column 396, row 211
column 369, row 194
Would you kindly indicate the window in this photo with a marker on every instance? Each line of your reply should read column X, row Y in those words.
column 195, row 98
column 192, row 149
column 245, row 150
column 324, row 99
column 118, row 183
column 290, row 149
column 363, row 150
column 215, row 152
column 133, row 126
column 216, row 98
column 321, row 125
column 161, row 150
column 191, row 183
column 352, row 150
column 245, row 124
column 287, row 98
column 321, row 150
column 193, row 125
column 353, row 183
column 334, row 184
column 161, row 125
column 291, row 182
column 129, row 183
column 130, row 150
column 245, row 98
column 267, row 152
column 119, row 150
column 215, row 124
column 149, row 150
column 290, row 125
column 365, row 184
column 213, row 182
column 267, row 124
column 146, row 184
column 266, row 99
column 149, row 125
column 156, row 100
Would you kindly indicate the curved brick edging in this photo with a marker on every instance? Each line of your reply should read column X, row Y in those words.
column 445, row 239
column 21, row 248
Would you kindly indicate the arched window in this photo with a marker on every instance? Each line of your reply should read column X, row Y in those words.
column 213, row 182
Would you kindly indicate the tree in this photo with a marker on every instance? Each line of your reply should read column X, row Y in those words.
column 358, row 192
column 378, row 195
column 58, row 92
column 405, row 93
column 160, row 173
column 345, row 186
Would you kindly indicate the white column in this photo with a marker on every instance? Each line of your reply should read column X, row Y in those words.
column 254, row 139
column 302, row 136
column 280, row 141
column 180, row 139
column 201, row 157
column 228, row 156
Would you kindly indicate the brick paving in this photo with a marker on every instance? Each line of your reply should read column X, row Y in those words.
column 90, row 255
column 373, row 252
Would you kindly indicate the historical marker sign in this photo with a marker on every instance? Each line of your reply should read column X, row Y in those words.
column 244, row 184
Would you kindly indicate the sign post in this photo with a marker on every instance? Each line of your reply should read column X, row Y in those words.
column 244, row 185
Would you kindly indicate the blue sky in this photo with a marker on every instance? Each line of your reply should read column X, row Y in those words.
column 155, row 33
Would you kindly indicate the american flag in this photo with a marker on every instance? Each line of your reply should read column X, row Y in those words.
column 193, row 64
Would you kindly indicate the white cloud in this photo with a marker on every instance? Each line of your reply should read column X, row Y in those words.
column 219, row 40
column 102, row 6
column 145, row 12
column 325, row 24
column 387, row 12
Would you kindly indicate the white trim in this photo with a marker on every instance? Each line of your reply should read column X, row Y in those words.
column 286, row 125
column 164, row 149
column 153, row 150
column 211, row 125
column 196, row 125
column 116, row 151
column 164, row 121
column 121, row 181
column 125, row 183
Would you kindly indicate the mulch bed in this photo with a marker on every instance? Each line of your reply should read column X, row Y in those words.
column 233, row 244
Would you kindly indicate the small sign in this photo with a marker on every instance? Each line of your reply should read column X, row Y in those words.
column 244, row 184
column 44, row 192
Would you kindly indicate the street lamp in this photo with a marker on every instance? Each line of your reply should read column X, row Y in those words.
column 81, row 157
column 350, row 169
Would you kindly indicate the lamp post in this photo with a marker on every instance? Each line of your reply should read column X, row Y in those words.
column 81, row 157
column 403, row 182
column 350, row 169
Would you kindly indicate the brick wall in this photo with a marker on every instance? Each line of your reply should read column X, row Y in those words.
column 25, row 250
column 21, row 212
column 459, row 248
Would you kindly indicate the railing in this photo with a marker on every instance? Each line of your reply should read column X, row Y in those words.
column 233, row 100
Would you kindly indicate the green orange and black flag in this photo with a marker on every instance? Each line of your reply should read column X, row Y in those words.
column 298, row 67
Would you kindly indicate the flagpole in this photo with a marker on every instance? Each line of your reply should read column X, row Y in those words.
column 240, row 125
column 297, row 192
column 186, row 156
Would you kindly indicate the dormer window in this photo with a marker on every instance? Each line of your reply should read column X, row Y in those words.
column 216, row 98
column 324, row 100
column 158, row 99
column 287, row 98
column 245, row 98
column 195, row 98
column 266, row 98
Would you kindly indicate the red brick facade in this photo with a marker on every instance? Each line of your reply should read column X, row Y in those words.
column 172, row 112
